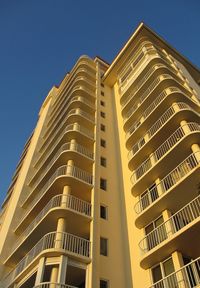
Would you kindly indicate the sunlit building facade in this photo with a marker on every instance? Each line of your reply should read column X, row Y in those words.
column 107, row 190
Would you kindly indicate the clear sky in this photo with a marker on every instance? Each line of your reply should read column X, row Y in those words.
column 40, row 40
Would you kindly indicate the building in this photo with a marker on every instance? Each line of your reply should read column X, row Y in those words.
column 106, row 193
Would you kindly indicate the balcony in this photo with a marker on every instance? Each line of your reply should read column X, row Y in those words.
column 53, row 285
column 66, row 152
column 144, row 108
column 171, row 117
column 68, row 175
column 75, row 102
column 75, row 91
column 187, row 277
column 73, row 116
column 72, row 131
column 173, row 234
column 155, row 165
column 170, row 193
column 75, row 210
column 55, row 243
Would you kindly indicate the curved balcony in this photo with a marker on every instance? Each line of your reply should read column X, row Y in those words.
column 71, row 175
column 75, row 102
column 166, row 97
column 66, row 152
column 143, row 84
column 54, row 243
column 183, row 137
column 159, row 197
column 72, row 117
column 53, row 285
column 186, row 277
column 75, row 210
column 72, row 131
column 177, row 112
column 75, row 91
column 172, row 234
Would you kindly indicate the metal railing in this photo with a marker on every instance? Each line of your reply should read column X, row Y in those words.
column 186, row 277
column 180, row 219
column 64, row 148
column 141, row 83
column 165, row 117
column 60, row 241
column 72, row 127
column 168, row 182
column 63, row 201
column 65, row 170
column 171, row 141
column 144, row 96
column 64, row 112
column 56, row 130
column 64, row 102
column 53, row 285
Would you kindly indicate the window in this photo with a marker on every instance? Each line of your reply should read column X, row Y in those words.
column 103, row 284
column 154, row 237
column 102, row 93
column 162, row 270
column 103, row 161
column 103, row 184
column 103, row 127
column 102, row 85
column 103, row 114
column 103, row 143
column 103, row 212
column 102, row 103
column 103, row 246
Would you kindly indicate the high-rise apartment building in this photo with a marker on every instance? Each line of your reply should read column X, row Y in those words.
column 107, row 191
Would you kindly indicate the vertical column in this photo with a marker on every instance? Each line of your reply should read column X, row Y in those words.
column 40, row 271
column 196, row 149
column 159, row 186
column 175, row 107
column 65, row 202
column 180, row 277
column 73, row 144
column 54, row 277
column 185, row 127
column 168, row 226
column 62, row 269
column 70, row 167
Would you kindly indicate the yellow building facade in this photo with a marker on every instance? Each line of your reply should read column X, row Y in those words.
column 106, row 192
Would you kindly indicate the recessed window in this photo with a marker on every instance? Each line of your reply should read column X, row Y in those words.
column 103, row 283
column 103, row 212
column 103, row 127
column 103, row 114
column 103, row 246
column 102, row 93
column 102, row 85
column 102, row 103
column 103, row 143
column 163, row 269
column 103, row 184
column 103, row 161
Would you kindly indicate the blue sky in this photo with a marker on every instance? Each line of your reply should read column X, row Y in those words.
column 42, row 39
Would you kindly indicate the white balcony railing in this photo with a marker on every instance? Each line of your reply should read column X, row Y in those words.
column 140, row 84
column 65, row 170
column 69, row 202
column 75, row 147
column 163, row 149
column 145, row 95
column 57, row 130
column 168, row 182
column 68, row 128
column 64, row 113
column 59, row 241
column 157, row 126
column 187, row 277
column 53, row 285
column 180, row 219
